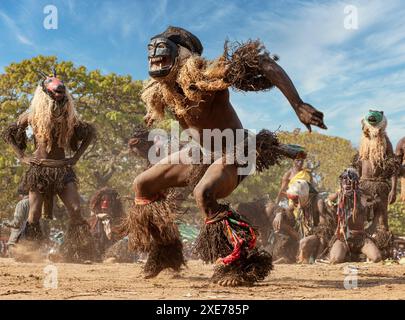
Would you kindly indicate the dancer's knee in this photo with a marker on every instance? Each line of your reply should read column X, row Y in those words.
column 335, row 259
column 372, row 252
column 140, row 185
column 309, row 244
column 375, row 257
column 337, row 254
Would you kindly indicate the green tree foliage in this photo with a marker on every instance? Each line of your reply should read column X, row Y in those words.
column 396, row 217
column 110, row 102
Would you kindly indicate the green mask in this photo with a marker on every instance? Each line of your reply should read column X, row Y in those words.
column 374, row 117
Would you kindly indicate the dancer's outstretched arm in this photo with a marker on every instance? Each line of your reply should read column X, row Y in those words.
column 306, row 113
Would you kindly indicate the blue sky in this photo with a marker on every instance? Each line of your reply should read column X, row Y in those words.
column 341, row 72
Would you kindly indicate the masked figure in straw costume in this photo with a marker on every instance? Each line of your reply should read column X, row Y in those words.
column 296, row 172
column 195, row 91
column 312, row 220
column 378, row 168
column 106, row 214
column 56, row 129
column 351, row 238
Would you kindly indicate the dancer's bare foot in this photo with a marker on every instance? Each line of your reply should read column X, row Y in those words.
column 232, row 281
column 230, row 278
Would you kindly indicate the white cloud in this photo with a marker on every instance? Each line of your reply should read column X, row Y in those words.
column 24, row 40
column 11, row 25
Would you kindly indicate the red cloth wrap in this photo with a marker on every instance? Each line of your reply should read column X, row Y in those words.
column 237, row 242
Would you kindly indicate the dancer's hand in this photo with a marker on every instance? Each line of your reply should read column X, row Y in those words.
column 148, row 120
column 392, row 197
column 308, row 115
column 30, row 160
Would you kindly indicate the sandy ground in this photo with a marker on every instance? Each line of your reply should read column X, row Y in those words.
column 124, row 281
